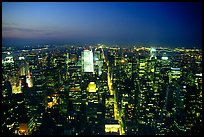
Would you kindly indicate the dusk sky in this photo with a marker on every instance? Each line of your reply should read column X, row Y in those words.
column 177, row 24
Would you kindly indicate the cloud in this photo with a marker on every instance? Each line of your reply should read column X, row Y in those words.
column 20, row 29
column 8, row 24
column 25, row 29
column 12, row 31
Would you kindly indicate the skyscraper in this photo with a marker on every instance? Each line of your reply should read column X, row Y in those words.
column 87, row 61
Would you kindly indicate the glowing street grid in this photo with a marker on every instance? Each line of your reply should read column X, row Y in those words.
column 101, row 90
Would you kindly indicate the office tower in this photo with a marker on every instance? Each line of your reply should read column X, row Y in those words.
column 87, row 61
column 20, row 111
column 74, row 87
column 145, row 98
column 153, row 53
column 39, row 95
column 8, row 65
column 73, row 57
column 32, row 59
column 29, row 79
column 97, row 55
column 8, row 118
column 98, row 63
column 60, row 63
column 131, row 124
column 95, row 111
column 159, row 81
column 23, row 84
column 23, row 68
column 193, row 107
column 175, row 100
column 15, row 113
column 109, row 103
column 73, row 84
column 9, row 71
column 91, row 107
column 102, row 83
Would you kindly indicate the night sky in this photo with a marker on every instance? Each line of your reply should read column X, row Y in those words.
column 165, row 23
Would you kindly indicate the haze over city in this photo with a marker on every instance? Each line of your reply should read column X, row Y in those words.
column 163, row 23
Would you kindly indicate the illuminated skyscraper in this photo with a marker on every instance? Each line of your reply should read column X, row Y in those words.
column 94, row 111
column 153, row 53
column 87, row 61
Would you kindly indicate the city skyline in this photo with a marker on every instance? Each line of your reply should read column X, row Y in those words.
column 101, row 91
column 169, row 23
